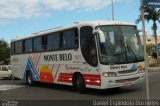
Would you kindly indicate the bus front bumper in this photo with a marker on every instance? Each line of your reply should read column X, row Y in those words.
column 113, row 82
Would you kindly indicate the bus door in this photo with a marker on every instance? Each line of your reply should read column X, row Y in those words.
column 88, row 48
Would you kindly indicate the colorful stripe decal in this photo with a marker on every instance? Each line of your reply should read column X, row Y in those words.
column 30, row 66
column 38, row 60
column 35, row 59
column 56, row 73
column 65, row 77
column 90, row 79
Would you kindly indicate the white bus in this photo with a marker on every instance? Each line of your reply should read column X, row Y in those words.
column 99, row 54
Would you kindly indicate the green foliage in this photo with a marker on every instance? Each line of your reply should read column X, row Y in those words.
column 4, row 50
column 149, row 50
column 151, row 14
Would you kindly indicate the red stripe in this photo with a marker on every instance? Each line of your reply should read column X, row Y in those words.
column 64, row 77
column 31, row 56
column 52, row 68
column 91, row 75
column 65, row 80
column 38, row 60
column 56, row 73
column 91, row 79
column 65, row 74
column 93, row 83
column 35, row 59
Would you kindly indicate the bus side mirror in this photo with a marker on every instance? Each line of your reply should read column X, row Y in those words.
column 101, row 35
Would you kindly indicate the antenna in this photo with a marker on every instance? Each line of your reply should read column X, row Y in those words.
column 47, row 30
column 76, row 22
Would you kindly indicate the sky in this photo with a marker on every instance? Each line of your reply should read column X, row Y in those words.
column 24, row 17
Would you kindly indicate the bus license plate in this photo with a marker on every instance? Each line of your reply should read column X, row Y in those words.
column 127, row 83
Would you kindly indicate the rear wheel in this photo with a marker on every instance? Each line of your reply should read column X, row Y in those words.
column 11, row 77
column 79, row 83
column 29, row 79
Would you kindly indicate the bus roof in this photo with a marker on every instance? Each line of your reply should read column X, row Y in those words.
column 76, row 24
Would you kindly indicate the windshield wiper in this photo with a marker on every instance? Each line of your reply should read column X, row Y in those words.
column 136, row 59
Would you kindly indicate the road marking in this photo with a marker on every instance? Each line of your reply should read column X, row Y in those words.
column 9, row 87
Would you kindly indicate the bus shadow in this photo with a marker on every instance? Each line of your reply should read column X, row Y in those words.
column 89, row 91
column 108, row 92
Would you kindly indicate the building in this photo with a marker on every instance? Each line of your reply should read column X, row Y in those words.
column 150, row 40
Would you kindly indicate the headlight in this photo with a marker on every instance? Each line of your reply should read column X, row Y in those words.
column 109, row 74
column 141, row 70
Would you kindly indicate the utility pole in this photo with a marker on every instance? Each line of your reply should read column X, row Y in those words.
column 112, row 10
column 145, row 54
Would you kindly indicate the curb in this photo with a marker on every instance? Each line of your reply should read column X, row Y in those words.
column 153, row 69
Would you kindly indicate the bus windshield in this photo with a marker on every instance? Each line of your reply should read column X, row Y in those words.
column 122, row 45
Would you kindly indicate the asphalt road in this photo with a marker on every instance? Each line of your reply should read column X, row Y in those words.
column 18, row 90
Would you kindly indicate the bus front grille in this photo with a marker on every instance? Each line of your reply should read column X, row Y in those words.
column 127, row 80
column 126, row 71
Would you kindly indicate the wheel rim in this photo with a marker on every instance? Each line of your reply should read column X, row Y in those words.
column 78, row 83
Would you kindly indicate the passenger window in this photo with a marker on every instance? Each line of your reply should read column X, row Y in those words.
column 28, row 45
column 37, row 44
column 69, row 39
column 18, row 47
column 53, row 41
column 44, row 43
column 12, row 48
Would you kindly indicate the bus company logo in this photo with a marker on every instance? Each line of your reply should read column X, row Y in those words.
column 134, row 67
column 139, row 66
column 58, row 57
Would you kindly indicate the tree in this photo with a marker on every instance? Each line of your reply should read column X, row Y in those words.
column 4, row 50
column 149, row 50
column 151, row 14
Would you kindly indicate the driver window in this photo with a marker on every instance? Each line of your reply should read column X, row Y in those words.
column 109, row 44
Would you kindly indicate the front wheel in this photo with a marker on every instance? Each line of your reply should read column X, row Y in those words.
column 29, row 79
column 79, row 83
column 117, row 89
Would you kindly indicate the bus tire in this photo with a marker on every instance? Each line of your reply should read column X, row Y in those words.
column 79, row 83
column 29, row 78
column 11, row 77
column 116, row 89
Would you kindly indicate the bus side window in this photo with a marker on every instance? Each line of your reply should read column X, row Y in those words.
column 18, row 47
column 53, row 41
column 28, row 45
column 76, row 39
column 44, row 43
column 12, row 48
column 37, row 44
column 69, row 39
column 23, row 46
